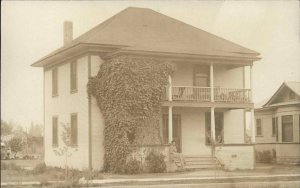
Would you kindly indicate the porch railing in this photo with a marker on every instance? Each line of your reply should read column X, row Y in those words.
column 202, row 94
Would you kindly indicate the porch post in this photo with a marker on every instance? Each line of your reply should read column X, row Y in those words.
column 211, row 83
column 212, row 122
column 253, row 128
column 170, row 124
column 170, row 88
column 251, row 83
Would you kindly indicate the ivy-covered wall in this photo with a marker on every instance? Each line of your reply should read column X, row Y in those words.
column 129, row 91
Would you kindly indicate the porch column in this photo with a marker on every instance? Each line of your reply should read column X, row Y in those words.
column 253, row 127
column 170, row 88
column 212, row 123
column 170, row 124
column 211, row 83
column 251, row 83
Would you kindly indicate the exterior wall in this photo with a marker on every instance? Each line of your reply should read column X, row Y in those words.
column 97, row 122
column 236, row 157
column 266, row 124
column 193, row 129
column 223, row 76
column 234, row 127
column 288, row 153
column 62, row 106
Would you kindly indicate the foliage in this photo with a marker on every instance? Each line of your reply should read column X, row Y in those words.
column 156, row 163
column 129, row 91
column 65, row 150
column 16, row 144
column 265, row 156
column 133, row 166
column 6, row 128
column 10, row 166
column 40, row 168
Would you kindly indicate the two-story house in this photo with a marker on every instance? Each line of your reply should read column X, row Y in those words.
column 278, row 124
column 206, row 97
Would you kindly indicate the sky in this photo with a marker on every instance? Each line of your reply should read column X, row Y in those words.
column 32, row 29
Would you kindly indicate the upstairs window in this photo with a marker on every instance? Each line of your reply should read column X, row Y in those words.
column 55, row 82
column 73, row 73
column 74, row 129
column 258, row 127
column 201, row 76
column 54, row 131
column 287, row 128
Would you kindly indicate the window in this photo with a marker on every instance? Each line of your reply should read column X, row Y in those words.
column 258, row 127
column 273, row 126
column 73, row 129
column 287, row 128
column 219, row 133
column 73, row 78
column 54, row 131
column 201, row 76
column 54, row 82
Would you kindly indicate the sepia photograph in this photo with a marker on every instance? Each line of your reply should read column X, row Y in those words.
column 154, row 94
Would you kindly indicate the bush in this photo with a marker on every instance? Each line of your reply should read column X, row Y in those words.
column 156, row 163
column 132, row 167
column 264, row 156
column 40, row 168
column 10, row 166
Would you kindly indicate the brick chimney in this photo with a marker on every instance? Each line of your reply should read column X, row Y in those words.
column 68, row 32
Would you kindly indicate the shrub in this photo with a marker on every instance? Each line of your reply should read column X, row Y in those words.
column 264, row 156
column 133, row 167
column 10, row 166
column 40, row 168
column 156, row 163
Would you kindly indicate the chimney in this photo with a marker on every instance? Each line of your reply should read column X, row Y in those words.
column 68, row 32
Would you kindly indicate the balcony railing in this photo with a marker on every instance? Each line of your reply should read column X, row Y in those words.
column 203, row 94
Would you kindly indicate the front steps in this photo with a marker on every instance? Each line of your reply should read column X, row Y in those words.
column 193, row 162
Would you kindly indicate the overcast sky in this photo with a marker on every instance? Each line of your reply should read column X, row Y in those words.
column 31, row 30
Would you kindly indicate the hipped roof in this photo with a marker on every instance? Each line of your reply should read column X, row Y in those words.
column 142, row 29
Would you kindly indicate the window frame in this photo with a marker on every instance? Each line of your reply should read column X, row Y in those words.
column 73, row 76
column 55, row 82
column 55, row 136
column 261, row 129
column 72, row 143
column 285, row 124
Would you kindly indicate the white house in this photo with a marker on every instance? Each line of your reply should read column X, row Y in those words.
column 207, row 92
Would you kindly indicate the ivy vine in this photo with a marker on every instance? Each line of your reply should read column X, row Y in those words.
column 129, row 91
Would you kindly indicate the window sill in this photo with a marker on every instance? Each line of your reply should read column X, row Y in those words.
column 259, row 136
column 73, row 91
column 54, row 96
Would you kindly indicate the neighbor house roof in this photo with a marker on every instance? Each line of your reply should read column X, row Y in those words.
column 142, row 29
column 290, row 85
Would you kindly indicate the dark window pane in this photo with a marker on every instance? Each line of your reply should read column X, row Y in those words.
column 54, row 131
column 258, row 127
column 273, row 126
column 54, row 82
column 74, row 129
column 73, row 76
column 287, row 128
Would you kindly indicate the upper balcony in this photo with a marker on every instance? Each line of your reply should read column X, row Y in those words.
column 209, row 86
column 203, row 94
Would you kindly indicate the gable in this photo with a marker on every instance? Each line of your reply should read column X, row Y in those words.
column 285, row 94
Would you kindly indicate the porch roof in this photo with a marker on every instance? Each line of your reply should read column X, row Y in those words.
column 142, row 29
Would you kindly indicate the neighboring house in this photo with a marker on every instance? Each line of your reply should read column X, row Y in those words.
column 277, row 124
column 207, row 90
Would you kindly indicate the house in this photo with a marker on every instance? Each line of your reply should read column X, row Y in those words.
column 277, row 124
column 207, row 92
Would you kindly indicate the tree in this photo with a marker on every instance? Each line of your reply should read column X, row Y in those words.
column 65, row 150
column 6, row 128
column 16, row 145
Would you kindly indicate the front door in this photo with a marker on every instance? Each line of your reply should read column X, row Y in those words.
column 176, row 130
